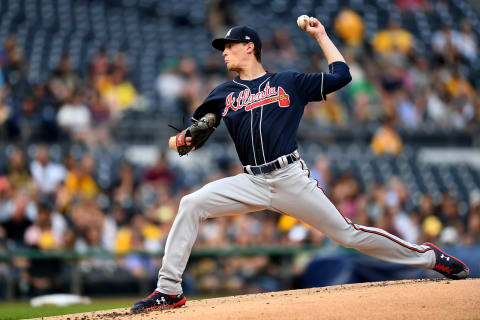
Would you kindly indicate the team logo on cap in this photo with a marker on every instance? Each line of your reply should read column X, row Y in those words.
column 228, row 33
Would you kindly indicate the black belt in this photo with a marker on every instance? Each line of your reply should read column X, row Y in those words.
column 281, row 162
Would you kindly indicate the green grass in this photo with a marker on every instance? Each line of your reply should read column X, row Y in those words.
column 23, row 310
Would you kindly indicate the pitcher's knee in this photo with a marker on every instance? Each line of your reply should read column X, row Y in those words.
column 346, row 238
column 190, row 201
column 191, row 204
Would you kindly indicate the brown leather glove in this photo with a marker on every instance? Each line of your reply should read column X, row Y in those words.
column 199, row 132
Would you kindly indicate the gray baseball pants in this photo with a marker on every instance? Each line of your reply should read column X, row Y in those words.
column 289, row 190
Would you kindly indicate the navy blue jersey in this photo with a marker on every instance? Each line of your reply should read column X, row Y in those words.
column 263, row 115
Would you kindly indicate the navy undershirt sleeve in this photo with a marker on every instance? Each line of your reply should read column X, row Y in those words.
column 316, row 86
column 338, row 77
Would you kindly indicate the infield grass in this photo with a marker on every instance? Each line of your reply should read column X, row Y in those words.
column 23, row 310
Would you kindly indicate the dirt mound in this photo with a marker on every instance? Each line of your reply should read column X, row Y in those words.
column 410, row 299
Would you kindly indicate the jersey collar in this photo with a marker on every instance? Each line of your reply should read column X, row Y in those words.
column 253, row 81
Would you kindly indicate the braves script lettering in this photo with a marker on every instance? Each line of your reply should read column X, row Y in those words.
column 251, row 101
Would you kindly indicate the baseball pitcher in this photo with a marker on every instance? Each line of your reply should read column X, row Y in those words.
column 262, row 112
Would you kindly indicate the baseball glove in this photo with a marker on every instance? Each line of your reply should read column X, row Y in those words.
column 198, row 131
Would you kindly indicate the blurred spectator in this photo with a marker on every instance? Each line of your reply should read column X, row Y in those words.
column 458, row 86
column 64, row 80
column 407, row 111
column 349, row 25
column 284, row 51
column 473, row 233
column 220, row 14
column 191, row 95
column 121, row 94
column 45, row 234
column 74, row 116
column 5, row 114
column 160, row 173
column 6, row 195
column 345, row 194
column 80, row 181
column 361, row 93
column 100, row 119
column 2, row 79
column 321, row 172
column 44, row 108
column 386, row 140
column 417, row 77
column 331, row 112
column 100, row 114
column 468, row 46
column 46, row 174
column 100, row 63
column 141, row 234
column 363, row 108
column 212, row 232
column 393, row 39
column 444, row 39
column 450, row 215
column 170, row 84
column 18, row 174
column 18, row 213
column 214, row 66
column 123, row 193
column 47, row 231
column 448, row 43
column 437, row 109
column 15, row 70
column 377, row 203
column 412, row 5
column 86, row 215
column 397, row 202
column 431, row 228
column 393, row 77
column 397, row 193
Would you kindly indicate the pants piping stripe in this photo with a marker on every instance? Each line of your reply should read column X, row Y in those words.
column 363, row 229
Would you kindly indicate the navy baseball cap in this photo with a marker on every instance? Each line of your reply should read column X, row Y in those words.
column 238, row 34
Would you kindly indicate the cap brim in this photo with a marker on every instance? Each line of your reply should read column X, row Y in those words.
column 220, row 43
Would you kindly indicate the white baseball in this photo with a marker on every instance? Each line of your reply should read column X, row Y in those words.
column 301, row 21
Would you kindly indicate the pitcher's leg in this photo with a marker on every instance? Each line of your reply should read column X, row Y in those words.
column 229, row 196
column 375, row 242
column 303, row 199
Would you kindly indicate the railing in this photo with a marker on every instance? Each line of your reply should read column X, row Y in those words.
column 330, row 266
column 285, row 253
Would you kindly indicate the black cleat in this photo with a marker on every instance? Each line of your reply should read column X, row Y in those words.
column 158, row 301
column 448, row 265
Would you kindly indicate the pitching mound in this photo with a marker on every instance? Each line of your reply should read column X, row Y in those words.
column 412, row 299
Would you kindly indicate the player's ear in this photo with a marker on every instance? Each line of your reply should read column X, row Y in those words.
column 250, row 47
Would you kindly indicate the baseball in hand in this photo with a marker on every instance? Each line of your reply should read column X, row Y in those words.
column 301, row 21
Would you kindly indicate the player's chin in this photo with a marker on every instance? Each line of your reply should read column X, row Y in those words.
column 231, row 66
